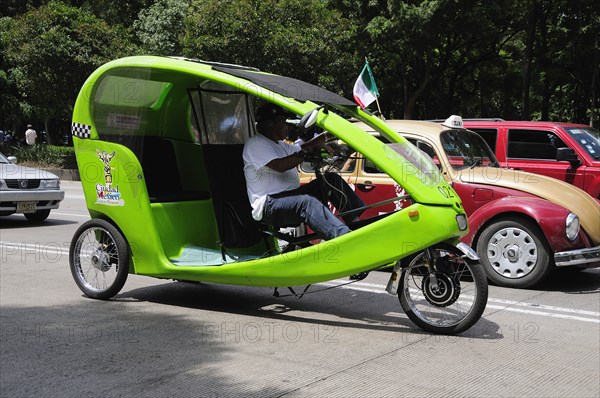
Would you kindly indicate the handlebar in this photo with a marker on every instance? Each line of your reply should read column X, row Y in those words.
column 321, row 158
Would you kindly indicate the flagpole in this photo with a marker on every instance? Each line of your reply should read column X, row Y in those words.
column 376, row 97
column 379, row 108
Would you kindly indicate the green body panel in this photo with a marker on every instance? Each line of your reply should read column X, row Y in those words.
column 184, row 224
column 131, row 213
column 380, row 243
column 117, row 100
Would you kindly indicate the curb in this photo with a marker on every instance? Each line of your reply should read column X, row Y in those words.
column 66, row 174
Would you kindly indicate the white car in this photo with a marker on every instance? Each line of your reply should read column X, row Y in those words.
column 27, row 190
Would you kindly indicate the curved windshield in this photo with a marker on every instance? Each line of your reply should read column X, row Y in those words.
column 466, row 149
column 588, row 139
column 423, row 166
column 3, row 159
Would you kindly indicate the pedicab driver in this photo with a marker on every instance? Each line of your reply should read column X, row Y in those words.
column 274, row 184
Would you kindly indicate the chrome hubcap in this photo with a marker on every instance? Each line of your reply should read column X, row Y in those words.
column 512, row 252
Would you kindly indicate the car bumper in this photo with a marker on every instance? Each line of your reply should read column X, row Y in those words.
column 577, row 257
column 44, row 199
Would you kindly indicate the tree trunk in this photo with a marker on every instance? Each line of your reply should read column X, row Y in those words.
column 49, row 139
column 412, row 99
column 593, row 88
column 528, row 59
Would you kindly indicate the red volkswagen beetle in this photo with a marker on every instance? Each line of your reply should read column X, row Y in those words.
column 523, row 225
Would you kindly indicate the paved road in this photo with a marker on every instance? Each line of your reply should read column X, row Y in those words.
column 165, row 338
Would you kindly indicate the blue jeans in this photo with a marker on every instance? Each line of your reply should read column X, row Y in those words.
column 304, row 205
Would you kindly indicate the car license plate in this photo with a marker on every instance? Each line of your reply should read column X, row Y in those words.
column 26, row 207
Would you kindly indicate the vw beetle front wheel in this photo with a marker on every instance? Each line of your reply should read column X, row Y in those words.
column 99, row 259
column 514, row 253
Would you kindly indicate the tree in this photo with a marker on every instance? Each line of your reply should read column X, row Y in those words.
column 160, row 27
column 299, row 38
column 431, row 58
column 113, row 12
column 9, row 104
column 11, row 8
column 50, row 51
column 569, row 60
column 433, row 52
column 534, row 15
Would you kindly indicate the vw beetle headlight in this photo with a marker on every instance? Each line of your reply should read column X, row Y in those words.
column 572, row 226
column 50, row 184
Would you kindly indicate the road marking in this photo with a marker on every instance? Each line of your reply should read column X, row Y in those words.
column 544, row 307
column 69, row 196
column 546, row 314
column 60, row 213
column 50, row 247
column 492, row 303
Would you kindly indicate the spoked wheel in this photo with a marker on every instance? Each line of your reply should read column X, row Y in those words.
column 99, row 259
column 448, row 301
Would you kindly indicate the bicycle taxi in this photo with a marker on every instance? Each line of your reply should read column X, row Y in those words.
column 159, row 145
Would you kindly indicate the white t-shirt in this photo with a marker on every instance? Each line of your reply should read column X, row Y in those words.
column 262, row 180
column 30, row 136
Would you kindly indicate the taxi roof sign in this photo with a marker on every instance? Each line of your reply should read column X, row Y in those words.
column 454, row 122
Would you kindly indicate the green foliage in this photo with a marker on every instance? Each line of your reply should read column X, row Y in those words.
column 431, row 58
column 45, row 155
column 114, row 12
column 160, row 26
column 50, row 52
column 300, row 38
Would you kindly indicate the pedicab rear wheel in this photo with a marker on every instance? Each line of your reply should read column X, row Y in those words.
column 99, row 259
column 451, row 302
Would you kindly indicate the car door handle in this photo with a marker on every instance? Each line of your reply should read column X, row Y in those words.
column 366, row 186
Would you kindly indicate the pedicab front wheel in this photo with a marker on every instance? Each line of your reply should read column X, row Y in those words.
column 99, row 259
column 444, row 295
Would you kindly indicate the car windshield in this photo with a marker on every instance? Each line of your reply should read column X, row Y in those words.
column 3, row 159
column 588, row 139
column 466, row 149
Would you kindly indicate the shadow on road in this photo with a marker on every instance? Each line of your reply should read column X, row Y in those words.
column 343, row 307
column 103, row 349
column 19, row 221
column 572, row 281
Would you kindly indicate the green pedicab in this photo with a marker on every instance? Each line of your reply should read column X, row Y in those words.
column 159, row 150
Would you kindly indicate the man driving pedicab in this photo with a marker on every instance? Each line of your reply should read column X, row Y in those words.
column 273, row 182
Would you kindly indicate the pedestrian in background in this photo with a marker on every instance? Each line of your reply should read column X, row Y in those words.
column 30, row 135
column 8, row 137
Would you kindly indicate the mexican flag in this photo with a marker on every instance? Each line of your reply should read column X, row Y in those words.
column 365, row 90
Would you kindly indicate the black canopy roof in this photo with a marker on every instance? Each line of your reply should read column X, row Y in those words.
column 288, row 86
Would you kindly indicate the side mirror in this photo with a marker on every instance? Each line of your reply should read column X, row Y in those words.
column 12, row 159
column 568, row 155
column 309, row 118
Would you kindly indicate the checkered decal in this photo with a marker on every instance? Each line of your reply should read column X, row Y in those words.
column 80, row 130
